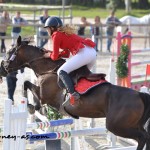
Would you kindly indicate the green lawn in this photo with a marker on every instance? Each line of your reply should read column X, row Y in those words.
column 103, row 13
column 89, row 12
column 26, row 31
column 79, row 11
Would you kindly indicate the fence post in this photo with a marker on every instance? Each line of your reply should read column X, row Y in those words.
column 7, row 124
column 118, row 50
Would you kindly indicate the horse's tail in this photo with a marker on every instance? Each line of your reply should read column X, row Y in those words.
column 146, row 116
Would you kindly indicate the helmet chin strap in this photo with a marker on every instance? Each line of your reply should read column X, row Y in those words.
column 53, row 30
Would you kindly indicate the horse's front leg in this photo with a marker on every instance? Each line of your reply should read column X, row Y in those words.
column 35, row 90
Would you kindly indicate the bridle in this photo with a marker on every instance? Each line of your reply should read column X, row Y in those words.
column 6, row 63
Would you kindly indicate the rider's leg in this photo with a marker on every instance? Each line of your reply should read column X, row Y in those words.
column 85, row 56
column 68, row 83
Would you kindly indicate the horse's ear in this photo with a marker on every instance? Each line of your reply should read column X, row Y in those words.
column 19, row 40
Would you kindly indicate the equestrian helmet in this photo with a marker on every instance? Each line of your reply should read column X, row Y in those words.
column 53, row 22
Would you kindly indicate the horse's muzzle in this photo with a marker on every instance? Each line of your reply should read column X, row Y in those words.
column 3, row 72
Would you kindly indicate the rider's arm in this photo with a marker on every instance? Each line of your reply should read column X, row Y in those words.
column 56, row 45
column 65, row 53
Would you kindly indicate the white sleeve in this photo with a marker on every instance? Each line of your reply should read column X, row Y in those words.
column 13, row 21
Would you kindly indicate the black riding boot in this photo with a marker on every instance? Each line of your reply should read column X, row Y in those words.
column 67, row 81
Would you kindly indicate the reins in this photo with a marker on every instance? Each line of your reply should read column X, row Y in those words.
column 47, row 72
column 8, row 69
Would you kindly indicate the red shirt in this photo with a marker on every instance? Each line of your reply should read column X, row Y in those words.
column 70, row 43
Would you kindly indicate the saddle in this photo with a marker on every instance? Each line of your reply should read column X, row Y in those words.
column 86, row 74
column 84, row 80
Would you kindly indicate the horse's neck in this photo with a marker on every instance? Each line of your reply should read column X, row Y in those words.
column 42, row 66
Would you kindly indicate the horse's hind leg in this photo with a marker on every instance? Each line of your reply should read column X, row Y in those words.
column 36, row 98
column 133, row 133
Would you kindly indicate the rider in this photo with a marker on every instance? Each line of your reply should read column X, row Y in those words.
column 82, row 50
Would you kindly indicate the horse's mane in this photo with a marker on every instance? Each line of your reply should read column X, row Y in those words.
column 58, row 62
column 27, row 41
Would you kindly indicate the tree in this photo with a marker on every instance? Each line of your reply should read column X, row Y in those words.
column 112, row 5
column 128, row 5
column 144, row 4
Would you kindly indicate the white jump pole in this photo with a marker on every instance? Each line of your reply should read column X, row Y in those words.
column 125, row 148
column 67, row 134
column 15, row 120
column 112, row 79
column 7, row 123
column 75, row 140
column 80, row 127
column 112, row 72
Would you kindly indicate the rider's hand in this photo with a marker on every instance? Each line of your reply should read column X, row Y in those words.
column 45, row 50
column 47, row 54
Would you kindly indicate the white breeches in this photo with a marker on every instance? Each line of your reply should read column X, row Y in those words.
column 85, row 56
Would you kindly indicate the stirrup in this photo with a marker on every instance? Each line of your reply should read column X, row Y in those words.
column 72, row 98
column 75, row 96
column 67, row 101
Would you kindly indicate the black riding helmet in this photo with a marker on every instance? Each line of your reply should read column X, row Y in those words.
column 53, row 22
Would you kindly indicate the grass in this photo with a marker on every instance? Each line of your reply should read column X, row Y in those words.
column 79, row 11
column 89, row 12
column 26, row 31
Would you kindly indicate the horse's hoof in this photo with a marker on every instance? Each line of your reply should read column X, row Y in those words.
column 31, row 109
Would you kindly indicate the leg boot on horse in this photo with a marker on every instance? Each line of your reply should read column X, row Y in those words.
column 68, row 83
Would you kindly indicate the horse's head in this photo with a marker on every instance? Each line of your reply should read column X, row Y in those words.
column 23, row 55
column 14, row 58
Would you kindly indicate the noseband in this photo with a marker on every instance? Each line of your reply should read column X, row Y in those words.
column 6, row 62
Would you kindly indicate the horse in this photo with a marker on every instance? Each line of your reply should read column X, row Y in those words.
column 131, row 20
column 127, row 111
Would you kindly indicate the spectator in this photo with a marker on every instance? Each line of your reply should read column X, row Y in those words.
column 83, row 24
column 16, row 30
column 4, row 21
column 96, row 31
column 43, row 31
column 11, row 84
column 11, row 80
column 111, row 23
